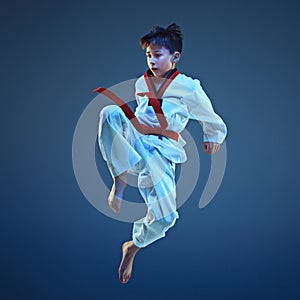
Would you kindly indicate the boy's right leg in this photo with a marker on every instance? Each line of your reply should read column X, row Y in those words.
column 116, row 136
column 116, row 193
column 117, row 139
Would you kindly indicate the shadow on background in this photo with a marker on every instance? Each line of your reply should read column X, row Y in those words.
column 243, row 245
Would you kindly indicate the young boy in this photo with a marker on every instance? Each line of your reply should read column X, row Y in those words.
column 150, row 145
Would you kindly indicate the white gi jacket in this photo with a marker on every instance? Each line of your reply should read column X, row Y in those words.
column 183, row 99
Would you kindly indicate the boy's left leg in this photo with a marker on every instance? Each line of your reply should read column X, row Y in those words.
column 158, row 190
column 129, row 250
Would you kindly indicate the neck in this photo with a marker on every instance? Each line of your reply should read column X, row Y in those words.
column 165, row 75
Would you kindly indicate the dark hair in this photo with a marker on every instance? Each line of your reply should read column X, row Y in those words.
column 170, row 38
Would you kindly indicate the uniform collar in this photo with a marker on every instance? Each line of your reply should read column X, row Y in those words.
column 167, row 80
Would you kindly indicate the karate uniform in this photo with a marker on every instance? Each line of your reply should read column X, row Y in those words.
column 153, row 157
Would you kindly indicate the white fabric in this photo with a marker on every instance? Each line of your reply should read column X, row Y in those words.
column 153, row 158
column 184, row 99
column 125, row 149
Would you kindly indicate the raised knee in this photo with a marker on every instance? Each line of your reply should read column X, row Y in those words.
column 112, row 114
column 109, row 111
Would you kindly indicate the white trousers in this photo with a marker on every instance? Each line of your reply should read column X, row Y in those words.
column 126, row 150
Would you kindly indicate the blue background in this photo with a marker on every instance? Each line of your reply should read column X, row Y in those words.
column 243, row 245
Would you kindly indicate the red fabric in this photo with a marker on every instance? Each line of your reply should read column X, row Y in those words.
column 154, row 103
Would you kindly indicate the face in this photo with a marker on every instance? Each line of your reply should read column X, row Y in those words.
column 160, row 60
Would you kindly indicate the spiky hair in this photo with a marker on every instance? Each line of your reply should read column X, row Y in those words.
column 169, row 37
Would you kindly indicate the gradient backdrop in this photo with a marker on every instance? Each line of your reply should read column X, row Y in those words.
column 243, row 245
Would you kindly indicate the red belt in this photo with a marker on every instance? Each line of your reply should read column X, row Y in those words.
column 144, row 129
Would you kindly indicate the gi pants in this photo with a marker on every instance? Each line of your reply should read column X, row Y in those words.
column 126, row 150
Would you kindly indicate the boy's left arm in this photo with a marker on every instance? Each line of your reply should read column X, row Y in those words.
column 201, row 109
column 210, row 148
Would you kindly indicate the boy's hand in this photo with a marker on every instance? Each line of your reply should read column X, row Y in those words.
column 210, row 148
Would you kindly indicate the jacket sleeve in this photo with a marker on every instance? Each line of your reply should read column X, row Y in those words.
column 201, row 109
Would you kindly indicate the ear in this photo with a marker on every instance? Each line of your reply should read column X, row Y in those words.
column 176, row 57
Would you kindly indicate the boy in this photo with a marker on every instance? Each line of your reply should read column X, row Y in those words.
column 148, row 143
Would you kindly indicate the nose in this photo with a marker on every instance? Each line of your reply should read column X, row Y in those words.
column 152, row 60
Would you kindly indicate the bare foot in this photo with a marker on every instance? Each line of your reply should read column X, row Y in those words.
column 116, row 193
column 129, row 250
